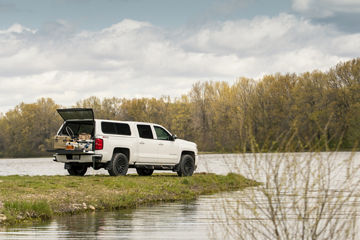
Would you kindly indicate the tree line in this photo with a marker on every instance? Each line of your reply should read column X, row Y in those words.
column 220, row 117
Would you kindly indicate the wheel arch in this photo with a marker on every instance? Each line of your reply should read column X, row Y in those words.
column 125, row 151
column 187, row 152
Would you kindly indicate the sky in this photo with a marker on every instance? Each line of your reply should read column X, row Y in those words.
column 69, row 50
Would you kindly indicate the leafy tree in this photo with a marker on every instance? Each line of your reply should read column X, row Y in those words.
column 320, row 107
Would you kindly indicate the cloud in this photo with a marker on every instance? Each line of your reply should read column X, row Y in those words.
column 17, row 28
column 136, row 59
column 325, row 8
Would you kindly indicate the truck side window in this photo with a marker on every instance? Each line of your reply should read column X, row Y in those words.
column 145, row 131
column 115, row 128
column 122, row 129
column 108, row 127
column 162, row 134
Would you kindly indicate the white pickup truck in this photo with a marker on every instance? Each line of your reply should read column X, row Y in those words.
column 84, row 142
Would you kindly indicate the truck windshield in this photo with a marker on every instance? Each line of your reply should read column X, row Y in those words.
column 74, row 128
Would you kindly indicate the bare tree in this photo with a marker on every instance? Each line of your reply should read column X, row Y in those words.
column 303, row 195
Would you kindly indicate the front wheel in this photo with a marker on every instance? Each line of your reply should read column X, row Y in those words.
column 186, row 166
column 144, row 171
column 77, row 170
column 118, row 165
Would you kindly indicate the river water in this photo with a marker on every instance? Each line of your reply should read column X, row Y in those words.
column 165, row 221
column 46, row 166
column 203, row 218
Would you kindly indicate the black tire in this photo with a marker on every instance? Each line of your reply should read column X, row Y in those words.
column 144, row 171
column 77, row 170
column 118, row 165
column 186, row 166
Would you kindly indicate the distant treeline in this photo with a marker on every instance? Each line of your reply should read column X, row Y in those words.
column 315, row 107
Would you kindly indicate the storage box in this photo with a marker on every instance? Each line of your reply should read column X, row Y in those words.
column 84, row 136
column 60, row 141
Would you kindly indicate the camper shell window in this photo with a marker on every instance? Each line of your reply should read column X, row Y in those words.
column 115, row 128
column 77, row 127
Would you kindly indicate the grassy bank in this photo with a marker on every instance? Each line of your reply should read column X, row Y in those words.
column 37, row 198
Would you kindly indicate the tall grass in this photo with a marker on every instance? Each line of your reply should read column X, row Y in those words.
column 25, row 210
column 306, row 195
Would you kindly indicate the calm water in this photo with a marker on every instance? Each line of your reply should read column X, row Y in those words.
column 194, row 220
column 166, row 221
column 46, row 166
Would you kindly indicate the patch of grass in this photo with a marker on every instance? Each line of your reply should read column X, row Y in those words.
column 19, row 211
column 45, row 196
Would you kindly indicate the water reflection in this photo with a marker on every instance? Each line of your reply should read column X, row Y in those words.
column 165, row 221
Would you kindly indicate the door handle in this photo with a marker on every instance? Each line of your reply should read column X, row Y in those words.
column 161, row 144
column 142, row 143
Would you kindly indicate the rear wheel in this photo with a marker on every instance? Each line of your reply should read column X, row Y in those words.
column 77, row 170
column 186, row 166
column 118, row 165
column 144, row 171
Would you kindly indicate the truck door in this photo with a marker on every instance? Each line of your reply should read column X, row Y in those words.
column 147, row 147
column 167, row 148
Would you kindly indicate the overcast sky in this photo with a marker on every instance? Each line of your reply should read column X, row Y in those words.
column 72, row 49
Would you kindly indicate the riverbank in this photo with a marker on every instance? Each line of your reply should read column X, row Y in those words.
column 26, row 199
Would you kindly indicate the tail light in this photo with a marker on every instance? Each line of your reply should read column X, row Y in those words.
column 99, row 144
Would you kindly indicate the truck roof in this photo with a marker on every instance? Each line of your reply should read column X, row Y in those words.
column 87, row 114
column 120, row 121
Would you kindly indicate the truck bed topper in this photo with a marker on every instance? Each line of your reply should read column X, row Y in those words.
column 76, row 114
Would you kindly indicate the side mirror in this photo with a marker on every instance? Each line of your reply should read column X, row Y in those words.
column 174, row 137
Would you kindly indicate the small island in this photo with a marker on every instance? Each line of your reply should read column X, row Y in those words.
column 28, row 199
